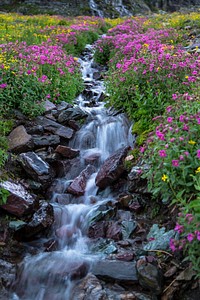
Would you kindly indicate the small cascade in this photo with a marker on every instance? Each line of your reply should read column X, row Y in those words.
column 117, row 5
column 95, row 9
column 51, row 275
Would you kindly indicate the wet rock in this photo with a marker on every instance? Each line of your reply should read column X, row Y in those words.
column 19, row 140
column 49, row 106
column 62, row 106
column 41, row 220
column 114, row 231
column 112, row 168
column 150, row 276
column 89, row 288
column 37, row 168
column 45, row 140
column 69, row 168
column 104, row 246
column 136, row 183
column 36, row 129
column 77, row 187
column 98, row 230
column 128, row 227
column 19, row 201
column 7, row 275
column 67, row 151
column 73, row 113
column 117, row 270
column 97, row 76
column 159, row 238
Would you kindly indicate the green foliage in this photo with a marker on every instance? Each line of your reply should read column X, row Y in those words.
column 3, row 196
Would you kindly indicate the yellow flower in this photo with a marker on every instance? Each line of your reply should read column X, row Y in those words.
column 191, row 142
column 197, row 170
column 165, row 177
column 186, row 77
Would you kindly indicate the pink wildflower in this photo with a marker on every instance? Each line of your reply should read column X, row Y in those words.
column 197, row 234
column 175, row 163
column 174, row 96
column 181, row 157
column 179, row 228
column 3, row 85
column 198, row 153
column 190, row 237
column 162, row 153
column 181, row 118
column 142, row 149
column 172, row 245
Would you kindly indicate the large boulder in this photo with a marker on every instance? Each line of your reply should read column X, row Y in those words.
column 19, row 140
column 112, row 168
column 19, row 201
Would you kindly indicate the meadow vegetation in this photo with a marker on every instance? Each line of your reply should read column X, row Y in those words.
column 151, row 76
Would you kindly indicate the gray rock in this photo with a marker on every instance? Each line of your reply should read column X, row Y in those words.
column 45, row 140
column 19, row 202
column 150, row 276
column 7, row 276
column 19, row 140
column 74, row 113
column 36, row 167
column 117, row 270
column 49, row 106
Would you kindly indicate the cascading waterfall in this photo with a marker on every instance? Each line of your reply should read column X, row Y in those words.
column 51, row 275
column 117, row 5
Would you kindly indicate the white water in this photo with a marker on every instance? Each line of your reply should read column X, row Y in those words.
column 46, row 276
column 116, row 4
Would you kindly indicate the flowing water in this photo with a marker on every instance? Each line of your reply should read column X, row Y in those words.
column 116, row 4
column 51, row 275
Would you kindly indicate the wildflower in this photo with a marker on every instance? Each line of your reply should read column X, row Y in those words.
column 181, row 118
column 186, row 153
column 169, row 120
column 162, row 153
column 190, row 237
column 169, row 108
column 181, row 157
column 142, row 149
column 160, row 135
column 179, row 228
column 197, row 170
column 191, row 142
column 165, row 177
column 198, row 153
column 174, row 96
column 172, row 245
column 175, row 163
column 3, row 85
column 198, row 121
column 197, row 234
column 172, row 140
column 48, row 96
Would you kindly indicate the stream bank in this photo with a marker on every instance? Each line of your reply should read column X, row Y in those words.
column 73, row 201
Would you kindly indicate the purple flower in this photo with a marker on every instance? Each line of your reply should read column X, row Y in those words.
column 179, row 228
column 175, row 163
column 3, row 85
column 198, row 153
column 190, row 237
column 197, row 234
column 172, row 245
column 181, row 118
column 142, row 149
column 174, row 96
column 181, row 157
column 162, row 153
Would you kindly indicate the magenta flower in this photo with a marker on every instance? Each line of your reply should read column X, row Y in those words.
column 181, row 118
column 174, row 96
column 198, row 153
column 175, row 163
column 186, row 153
column 198, row 121
column 190, row 237
column 162, row 153
column 3, row 85
column 172, row 140
column 179, row 228
column 169, row 108
column 160, row 135
column 197, row 234
column 172, row 245
column 48, row 96
column 181, row 157
column 142, row 149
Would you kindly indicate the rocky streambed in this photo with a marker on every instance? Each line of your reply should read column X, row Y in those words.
column 77, row 224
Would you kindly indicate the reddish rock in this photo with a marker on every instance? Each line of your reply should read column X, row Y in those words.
column 67, row 151
column 19, row 202
column 112, row 168
column 77, row 187
column 97, row 230
column 114, row 231
column 126, row 256
column 19, row 140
